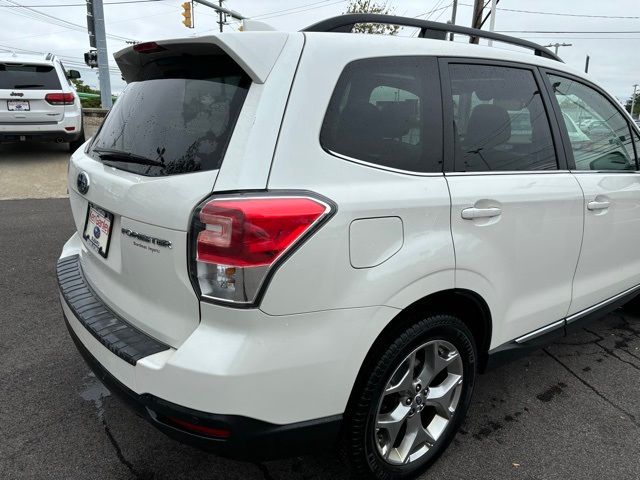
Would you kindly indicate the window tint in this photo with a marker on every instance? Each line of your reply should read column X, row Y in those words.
column 377, row 114
column 179, row 119
column 499, row 119
column 28, row 77
column 599, row 135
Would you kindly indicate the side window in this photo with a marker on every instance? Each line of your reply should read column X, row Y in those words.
column 599, row 134
column 392, row 100
column 377, row 115
column 499, row 119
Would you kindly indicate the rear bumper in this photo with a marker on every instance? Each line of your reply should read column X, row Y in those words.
column 40, row 136
column 248, row 439
column 285, row 379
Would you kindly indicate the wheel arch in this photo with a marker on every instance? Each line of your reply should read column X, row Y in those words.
column 465, row 304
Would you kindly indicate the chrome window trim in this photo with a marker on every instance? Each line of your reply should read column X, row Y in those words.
column 382, row 167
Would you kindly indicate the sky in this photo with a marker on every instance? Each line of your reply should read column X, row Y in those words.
column 614, row 55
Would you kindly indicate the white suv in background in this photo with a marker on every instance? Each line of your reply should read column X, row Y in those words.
column 291, row 240
column 38, row 102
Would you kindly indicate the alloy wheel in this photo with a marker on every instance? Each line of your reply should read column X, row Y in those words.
column 418, row 402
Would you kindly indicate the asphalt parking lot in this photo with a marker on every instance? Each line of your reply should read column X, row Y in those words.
column 570, row 411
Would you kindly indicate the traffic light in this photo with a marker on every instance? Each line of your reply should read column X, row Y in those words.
column 91, row 58
column 187, row 14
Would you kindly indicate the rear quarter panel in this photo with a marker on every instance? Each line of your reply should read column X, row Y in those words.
column 319, row 275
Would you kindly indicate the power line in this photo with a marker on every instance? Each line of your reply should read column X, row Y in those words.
column 289, row 9
column 570, row 31
column 561, row 14
column 66, row 59
column 77, row 4
column 433, row 10
column 265, row 17
column 47, row 18
column 442, row 10
column 588, row 38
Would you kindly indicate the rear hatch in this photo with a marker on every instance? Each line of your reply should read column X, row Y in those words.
column 154, row 159
column 23, row 88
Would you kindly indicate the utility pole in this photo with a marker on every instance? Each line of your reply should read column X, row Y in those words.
column 476, row 21
column 96, row 11
column 633, row 99
column 492, row 21
column 219, row 8
column 221, row 15
column 453, row 17
column 558, row 45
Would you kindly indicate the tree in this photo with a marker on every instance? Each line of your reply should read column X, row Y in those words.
column 636, row 106
column 369, row 6
column 81, row 87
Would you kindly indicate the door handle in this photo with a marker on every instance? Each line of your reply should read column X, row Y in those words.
column 595, row 205
column 473, row 212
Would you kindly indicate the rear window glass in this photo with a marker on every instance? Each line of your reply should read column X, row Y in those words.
column 385, row 112
column 177, row 119
column 28, row 77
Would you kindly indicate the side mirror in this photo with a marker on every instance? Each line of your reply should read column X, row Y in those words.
column 73, row 74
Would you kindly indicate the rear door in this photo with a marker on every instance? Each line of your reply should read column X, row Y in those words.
column 605, row 166
column 23, row 88
column 516, row 215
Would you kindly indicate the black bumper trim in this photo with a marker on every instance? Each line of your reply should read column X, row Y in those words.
column 112, row 331
column 249, row 439
column 46, row 136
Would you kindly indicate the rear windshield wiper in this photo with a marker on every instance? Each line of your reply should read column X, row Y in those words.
column 27, row 85
column 113, row 155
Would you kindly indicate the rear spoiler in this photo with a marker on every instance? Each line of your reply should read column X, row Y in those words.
column 255, row 52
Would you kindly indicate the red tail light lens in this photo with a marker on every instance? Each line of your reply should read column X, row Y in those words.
column 199, row 429
column 60, row 98
column 238, row 241
column 252, row 233
column 147, row 47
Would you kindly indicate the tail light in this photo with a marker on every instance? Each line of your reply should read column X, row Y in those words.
column 59, row 98
column 147, row 47
column 239, row 241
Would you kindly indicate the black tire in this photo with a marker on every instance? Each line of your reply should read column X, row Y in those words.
column 359, row 439
column 76, row 144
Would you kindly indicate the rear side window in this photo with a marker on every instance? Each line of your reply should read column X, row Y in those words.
column 499, row 119
column 177, row 119
column 383, row 112
column 28, row 77
column 598, row 132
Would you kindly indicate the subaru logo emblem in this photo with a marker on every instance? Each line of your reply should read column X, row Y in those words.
column 83, row 183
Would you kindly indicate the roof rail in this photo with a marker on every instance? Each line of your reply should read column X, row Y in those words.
column 345, row 23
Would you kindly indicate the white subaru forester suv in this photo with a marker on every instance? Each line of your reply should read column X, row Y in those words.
column 38, row 102
column 288, row 241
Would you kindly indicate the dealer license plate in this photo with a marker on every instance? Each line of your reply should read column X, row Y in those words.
column 97, row 229
column 18, row 105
